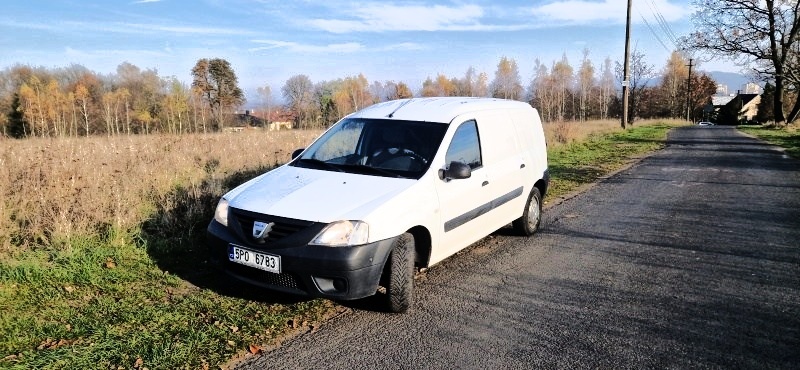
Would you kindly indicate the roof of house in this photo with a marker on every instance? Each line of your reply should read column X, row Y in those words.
column 721, row 100
column 724, row 100
column 247, row 120
column 747, row 98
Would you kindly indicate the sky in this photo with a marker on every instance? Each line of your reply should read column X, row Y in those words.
column 269, row 41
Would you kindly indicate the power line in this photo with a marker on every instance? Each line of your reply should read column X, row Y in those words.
column 655, row 34
column 663, row 22
column 663, row 25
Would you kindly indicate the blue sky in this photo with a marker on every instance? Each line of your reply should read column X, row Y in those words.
column 269, row 41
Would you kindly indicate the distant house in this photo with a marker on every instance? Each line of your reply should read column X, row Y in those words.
column 247, row 120
column 275, row 126
column 733, row 109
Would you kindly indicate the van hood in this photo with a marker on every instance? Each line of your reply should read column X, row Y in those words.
column 315, row 195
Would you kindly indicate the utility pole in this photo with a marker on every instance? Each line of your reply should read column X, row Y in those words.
column 689, row 93
column 627, row 63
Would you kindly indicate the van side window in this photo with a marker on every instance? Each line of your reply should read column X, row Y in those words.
column 465, row 147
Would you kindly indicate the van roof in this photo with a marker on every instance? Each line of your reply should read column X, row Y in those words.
column 441, row 109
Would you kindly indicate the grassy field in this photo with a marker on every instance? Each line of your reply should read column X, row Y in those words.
column 102, row 263
column 786, row 137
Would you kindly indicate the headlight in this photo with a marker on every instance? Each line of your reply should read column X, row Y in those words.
column 342, row 234
column 221, row 214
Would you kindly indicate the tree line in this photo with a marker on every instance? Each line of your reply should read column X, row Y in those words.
column 75, row 101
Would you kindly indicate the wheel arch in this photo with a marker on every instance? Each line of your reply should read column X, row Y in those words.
column 422, row 245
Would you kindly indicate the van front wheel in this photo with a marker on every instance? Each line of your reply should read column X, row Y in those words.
column 401, row 274
column 532, row 216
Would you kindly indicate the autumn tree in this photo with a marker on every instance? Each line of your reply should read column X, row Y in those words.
column 219, row 85
column 356, row 89
column 397, row 90
column 176, row 107
column 703, row 87
column 761, row 35
column 507, row 83
column 672, row 89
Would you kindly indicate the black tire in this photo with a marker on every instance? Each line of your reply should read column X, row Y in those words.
column 400, row 289
column 532, row 216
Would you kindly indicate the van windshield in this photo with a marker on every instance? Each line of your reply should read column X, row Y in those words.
column 376, row 147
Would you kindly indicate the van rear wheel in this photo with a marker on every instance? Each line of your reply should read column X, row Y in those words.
column 532, row 216
column 400, row 290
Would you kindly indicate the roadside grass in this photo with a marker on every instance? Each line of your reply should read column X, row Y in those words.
column 583, row 162
column 130, row 286
column 785, row 137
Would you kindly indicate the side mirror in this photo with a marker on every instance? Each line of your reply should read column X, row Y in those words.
column 456, row 171
column 297, row 152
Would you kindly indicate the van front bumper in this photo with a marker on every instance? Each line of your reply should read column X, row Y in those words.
column 343, row 273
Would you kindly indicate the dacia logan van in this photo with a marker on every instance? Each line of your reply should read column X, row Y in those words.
column 394, row 187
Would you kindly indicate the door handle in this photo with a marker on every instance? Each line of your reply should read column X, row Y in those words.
column 485, row 183
column 522, row 165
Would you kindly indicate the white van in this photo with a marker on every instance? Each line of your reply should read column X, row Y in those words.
column 391, row 188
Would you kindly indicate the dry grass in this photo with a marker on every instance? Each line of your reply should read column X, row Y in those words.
column 565, row 132
column 54, row 189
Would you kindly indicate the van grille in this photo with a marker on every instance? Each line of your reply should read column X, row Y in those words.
column 281, row 228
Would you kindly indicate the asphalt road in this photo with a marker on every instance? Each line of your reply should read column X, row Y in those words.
column 688, row 259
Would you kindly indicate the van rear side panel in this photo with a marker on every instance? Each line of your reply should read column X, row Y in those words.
column 530, row 135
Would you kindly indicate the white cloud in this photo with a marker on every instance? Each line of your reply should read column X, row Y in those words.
column 127, row 27
column 404, row 46
column 388, row 17
column 581, row 12
column 347, row 47
column 124, row 28
column 341, row 48
column 106, row 53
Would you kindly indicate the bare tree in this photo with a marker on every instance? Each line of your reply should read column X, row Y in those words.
column 606, row 87
column 298, row 92
column 760, row 34
column 640, row 75
column 586, row 83
column 563, row 79
column 265, row 95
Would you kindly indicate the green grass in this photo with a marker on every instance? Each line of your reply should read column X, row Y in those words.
column 584, row 162
column 147, row 297
column 784, row 137
column 89, row 304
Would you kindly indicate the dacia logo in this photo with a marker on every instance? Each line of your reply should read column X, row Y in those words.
column 261, row 229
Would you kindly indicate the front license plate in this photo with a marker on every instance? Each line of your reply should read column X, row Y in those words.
column 247, row 257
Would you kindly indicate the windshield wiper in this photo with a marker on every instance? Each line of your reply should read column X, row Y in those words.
column 320, row 164
column 373, row 170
